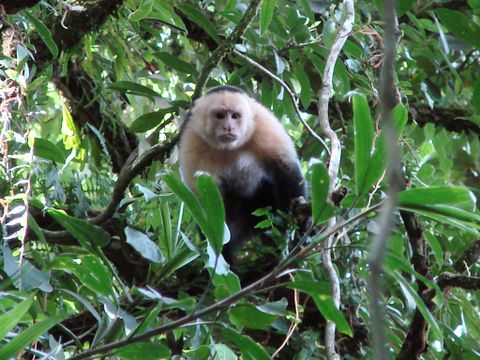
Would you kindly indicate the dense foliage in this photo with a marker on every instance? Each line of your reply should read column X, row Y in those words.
column 103, row 245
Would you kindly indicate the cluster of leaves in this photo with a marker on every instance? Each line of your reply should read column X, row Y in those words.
column 151, row 278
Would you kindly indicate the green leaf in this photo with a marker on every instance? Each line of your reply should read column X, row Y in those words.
column 457, row 196
column 246, row 315
column 226, row 285
column 320, row 293
column 130, row 87
column 223, row 352
column 148, row 121
column 85, row 233
column 461, row 26
column 322, row 210
column 407, row 288
column 175, row 63
column 306, row 87
column 48, row 150
column 11, row 318
column 142, row 12
column 148, row 350
column 249, row 349
column 192, row 203
column 214, row 210
column 266, row 14
column 146, row 247
column 476, row 96
column 363, row 135
column 95, row 275
column 198, row 17
column 27, row 337
column 44, row 33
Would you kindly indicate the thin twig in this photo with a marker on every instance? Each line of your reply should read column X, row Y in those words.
column 388, row 99
column 289, row 92
column 336, row 152
column 294, row 323
column 225, row 47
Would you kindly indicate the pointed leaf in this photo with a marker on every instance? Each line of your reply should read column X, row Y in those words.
column 461, row 26
column 44, row 33
column 9, row 319
column 457, row 196
column 320, row 293
column 249, row 349
column 27, row 337
column 140, row 350
column 48, row 150
column 322, row 210
column 363, row 128
column 146, row 247
column 215, row 211
column 130, row 87
column 148, row 121
column 85, row 233
column 199, row 18
column 266, row 14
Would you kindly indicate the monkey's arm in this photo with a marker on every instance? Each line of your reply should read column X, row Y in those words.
column 288, row 182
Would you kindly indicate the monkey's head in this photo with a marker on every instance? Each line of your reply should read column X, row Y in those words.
column 224, row 119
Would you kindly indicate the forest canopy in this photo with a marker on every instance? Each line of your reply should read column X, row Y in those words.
column 105, row 252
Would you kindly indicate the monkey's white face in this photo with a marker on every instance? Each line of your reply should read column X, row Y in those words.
column 226, row 120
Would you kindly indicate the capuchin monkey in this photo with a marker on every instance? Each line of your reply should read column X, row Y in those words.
column 245, row 148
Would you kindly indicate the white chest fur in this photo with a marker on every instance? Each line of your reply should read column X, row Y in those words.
column 244, row 174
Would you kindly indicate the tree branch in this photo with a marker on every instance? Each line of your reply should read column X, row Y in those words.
column 335, row 156
column 388, row 99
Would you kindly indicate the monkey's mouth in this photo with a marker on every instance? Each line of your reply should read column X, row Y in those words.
column 228, row 137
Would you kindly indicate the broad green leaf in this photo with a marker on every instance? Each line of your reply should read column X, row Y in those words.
column 148, row 121
column 223, row 352
column 36, row 229
column 44, row 33
column 400, row 119
column 435, row 245
column 166, row 13
column 461, row 26
column 363, row 134
column 266, row 14
column 322, row 210
column 457, row 196
column 27, row 337
column 407, row 288
column 146, row 247
column 199, row 18
column 225, row 285
column 277, row 308
column 85, row 233
column 85, row 303
column 12, row 317
column 192, row 203
column 306, row 87
column 130, row 87
column 214, row 210
column 249, row 349
column 246, row 315
column 320, row 293
column 476, row 96
column 142, row 12
column 48, row 150
column 71, row 135
column 175, row 63
column 144, row 350
column 93, row 274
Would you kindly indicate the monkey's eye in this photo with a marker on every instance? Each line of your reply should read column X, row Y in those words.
column 219, row 115
column 235, row 115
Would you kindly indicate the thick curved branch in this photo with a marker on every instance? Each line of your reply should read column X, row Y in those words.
column 335, row 156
